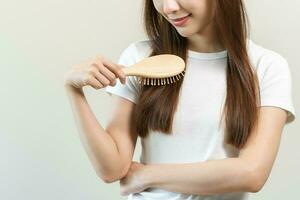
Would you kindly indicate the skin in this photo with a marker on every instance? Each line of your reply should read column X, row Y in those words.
column 250, row 170
column 199, row 29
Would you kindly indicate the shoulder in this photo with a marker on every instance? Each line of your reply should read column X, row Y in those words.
column 274, row 77
column 137, row 50
column 263, row 59
column 259, row 54
column 133, row 53
column 142, row 45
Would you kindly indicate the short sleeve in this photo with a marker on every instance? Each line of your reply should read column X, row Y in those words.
column 129, row 90
column 276, row 87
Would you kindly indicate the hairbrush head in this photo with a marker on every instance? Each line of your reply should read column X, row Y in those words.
column 157, row 70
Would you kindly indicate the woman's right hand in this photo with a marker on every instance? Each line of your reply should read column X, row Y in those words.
column 98, row 72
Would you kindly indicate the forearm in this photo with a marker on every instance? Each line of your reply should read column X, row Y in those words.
column 100, row 147
column 204, row 178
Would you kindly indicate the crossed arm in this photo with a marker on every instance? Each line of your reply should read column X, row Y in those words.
column 248, row 172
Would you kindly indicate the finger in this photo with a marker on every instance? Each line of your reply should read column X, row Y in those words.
column 92, row 81
column 115, row 68
column 108, row 74
column 102, row 77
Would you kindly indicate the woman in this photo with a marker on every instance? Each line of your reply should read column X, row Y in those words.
column 215, row 133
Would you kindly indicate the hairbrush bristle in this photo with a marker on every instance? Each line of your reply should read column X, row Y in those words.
column 160, row 81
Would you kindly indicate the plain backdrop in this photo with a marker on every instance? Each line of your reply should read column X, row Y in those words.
column 41, row 154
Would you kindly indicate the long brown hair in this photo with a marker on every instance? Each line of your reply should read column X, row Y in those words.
column 156, row 105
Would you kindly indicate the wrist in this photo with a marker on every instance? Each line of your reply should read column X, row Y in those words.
column 71, row 88
column 74, row 92
column 148, row 176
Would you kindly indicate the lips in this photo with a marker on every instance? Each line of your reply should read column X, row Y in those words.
column 180, row 21
column 181, row 18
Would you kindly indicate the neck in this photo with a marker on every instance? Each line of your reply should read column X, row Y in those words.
column 205, row 42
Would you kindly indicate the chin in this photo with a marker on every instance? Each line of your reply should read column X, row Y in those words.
column 186, row 33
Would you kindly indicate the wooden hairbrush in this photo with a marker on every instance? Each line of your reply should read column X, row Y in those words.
column 157, row 70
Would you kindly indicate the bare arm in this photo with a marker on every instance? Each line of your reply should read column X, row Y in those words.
column 101, row 145
column 247, row 173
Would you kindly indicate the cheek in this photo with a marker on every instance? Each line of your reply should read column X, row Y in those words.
column 158, row 5
column 202, row 11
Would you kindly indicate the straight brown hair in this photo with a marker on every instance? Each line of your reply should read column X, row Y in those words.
column 156, row 105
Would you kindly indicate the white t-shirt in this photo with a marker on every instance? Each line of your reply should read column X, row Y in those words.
column 196, row 135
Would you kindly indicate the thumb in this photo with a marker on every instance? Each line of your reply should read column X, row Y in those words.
column 122, row 79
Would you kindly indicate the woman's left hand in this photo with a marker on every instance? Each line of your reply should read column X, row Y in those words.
column 134, row 181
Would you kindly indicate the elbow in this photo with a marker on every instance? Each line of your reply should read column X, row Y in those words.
column 110, row 178
column 113, row 177
column 256, row 185
column 256, row 180
column 106, row 178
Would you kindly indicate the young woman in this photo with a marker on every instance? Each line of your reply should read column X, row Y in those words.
column 215, row 133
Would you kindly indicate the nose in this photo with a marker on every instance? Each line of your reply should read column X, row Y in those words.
column 170, row 6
